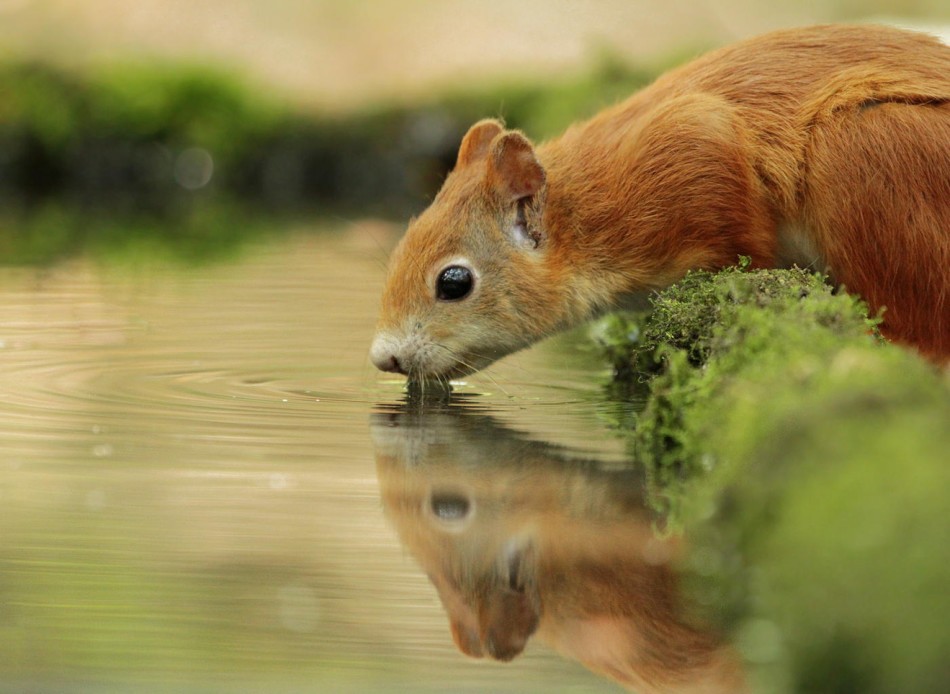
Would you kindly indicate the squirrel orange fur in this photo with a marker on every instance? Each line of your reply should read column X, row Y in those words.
column 826, row 147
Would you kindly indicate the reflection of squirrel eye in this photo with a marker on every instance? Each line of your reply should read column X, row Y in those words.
column 454, row 283
column 449, row 507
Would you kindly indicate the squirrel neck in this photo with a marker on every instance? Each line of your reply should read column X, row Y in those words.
column 596, row 229
column 628, row 208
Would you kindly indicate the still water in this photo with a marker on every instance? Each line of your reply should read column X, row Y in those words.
column 206, row 487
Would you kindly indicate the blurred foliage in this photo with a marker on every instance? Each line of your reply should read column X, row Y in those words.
column 806, row 462
column 121, row 132
column 180, row 156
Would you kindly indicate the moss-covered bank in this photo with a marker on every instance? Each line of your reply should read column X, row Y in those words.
column 809, row 465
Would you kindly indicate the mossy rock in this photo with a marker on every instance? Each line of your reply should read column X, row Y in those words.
column 806, row 461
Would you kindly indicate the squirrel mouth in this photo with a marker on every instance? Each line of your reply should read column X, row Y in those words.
column 439, row 377
column 459, row 368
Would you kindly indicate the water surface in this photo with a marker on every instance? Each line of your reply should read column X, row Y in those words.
column 190, row 492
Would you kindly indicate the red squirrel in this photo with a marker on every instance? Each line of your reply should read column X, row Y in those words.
column 826, row 147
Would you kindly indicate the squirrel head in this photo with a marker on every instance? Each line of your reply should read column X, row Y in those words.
column 468, row 282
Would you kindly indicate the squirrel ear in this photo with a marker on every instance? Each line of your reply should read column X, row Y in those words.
column 513, row 167
column 476, row 141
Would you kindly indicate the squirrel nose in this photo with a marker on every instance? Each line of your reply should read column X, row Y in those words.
column 383, row 358
column 390, row 363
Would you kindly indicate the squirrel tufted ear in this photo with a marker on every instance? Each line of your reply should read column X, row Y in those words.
column 513, row 167
column 476, row 141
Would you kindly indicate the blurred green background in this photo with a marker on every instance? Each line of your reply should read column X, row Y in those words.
column 169, row 120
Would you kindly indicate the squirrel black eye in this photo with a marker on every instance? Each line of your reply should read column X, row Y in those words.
column 454, row 283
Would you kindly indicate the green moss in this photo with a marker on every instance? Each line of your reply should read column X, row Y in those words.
column 805, row 460
column 711, row 328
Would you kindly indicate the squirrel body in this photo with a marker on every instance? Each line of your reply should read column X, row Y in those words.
column 826, row 147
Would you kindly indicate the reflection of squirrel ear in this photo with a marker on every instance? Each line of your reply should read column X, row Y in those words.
column 513, row 167
column 518, row 564
column 511, row 612
column 476, row 141
column 507, row 619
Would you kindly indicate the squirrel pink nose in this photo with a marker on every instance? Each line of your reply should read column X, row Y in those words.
column 383, row 356
column 389, row 364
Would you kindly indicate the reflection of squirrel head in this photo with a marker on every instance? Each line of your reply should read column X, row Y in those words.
column 518, row 538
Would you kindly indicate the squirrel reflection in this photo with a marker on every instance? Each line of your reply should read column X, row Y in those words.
column 520, row 539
